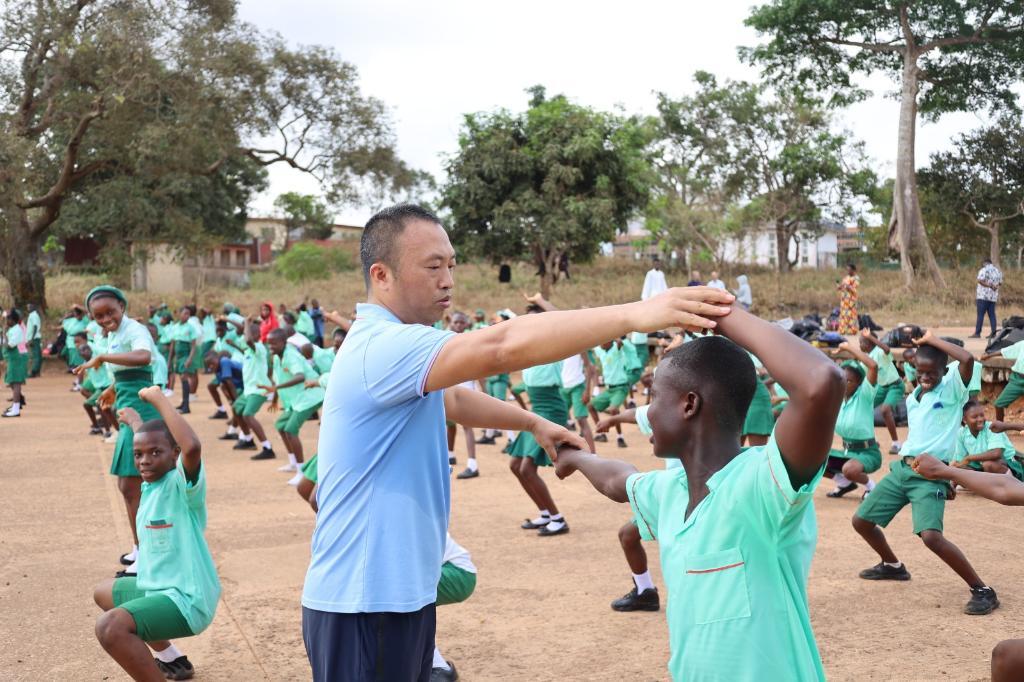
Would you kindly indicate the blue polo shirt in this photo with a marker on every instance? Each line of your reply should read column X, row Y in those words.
column 384, row 490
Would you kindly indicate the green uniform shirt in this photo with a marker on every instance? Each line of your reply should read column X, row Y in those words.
column 543, row 375
column 101, row 377
column 969, row 444
column 165, row 332
column 220, row 345
column 613, row 364
column 736, row 568
column 887, row 373
column 72, row 326
column 857, row 414
column 632, row 358
column 910, row 372
column 975, row 384
column 209, row 327
column 131, row 335
column 638, row 338
column 16, row 336
column 185, row 331
column 173, row 557
column 933, row 418
column 286, row 368
column 34, row 324
column 304, row 325
column 323, row 359
column 159, row 366
column 1015, row 352
column 255, row 369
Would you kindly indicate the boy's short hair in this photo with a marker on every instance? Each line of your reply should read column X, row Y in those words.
column 339, row 332
column 929, row 352
column 719, row 370
column 377, row 244
column 157, row 426
column 856, row 368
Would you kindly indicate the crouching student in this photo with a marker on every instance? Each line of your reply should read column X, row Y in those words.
column 984, row 446
column 860, row 456
column 176, row 590
column 736, row 527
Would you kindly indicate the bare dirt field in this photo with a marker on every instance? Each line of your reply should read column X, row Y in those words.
column 540, row 611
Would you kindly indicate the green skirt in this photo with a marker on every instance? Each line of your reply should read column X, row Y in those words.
column 181, row 351
column 127, row 384
column 760, row 421
column 70, row 353
column 545, row 401
column 17, row 366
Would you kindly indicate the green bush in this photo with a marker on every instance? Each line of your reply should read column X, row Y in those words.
column 305, row 262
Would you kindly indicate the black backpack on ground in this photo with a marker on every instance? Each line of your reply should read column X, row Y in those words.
column 1007, row 336
column 1015, row 321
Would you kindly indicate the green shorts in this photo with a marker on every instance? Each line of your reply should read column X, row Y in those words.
column 456, row 584
column 613, row 396
column 1013, row 465
column 156, row 616
column 900, row 487
column 519, row 388
column 573, row 398
column 291, row 421
column 870, row 458
column 249, row 405
column 94, row 394
column 1014, row 389
column 633, row 375
column 309, row 469
column 643, row 351
column 759, row 420
column 497, row 386
column 890, row 394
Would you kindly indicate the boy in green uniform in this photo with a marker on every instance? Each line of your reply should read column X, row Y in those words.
column 860, row 455
column 34, row 330
column 934, row 413
column 176, row 590
column 984, row 446
column 612, row 357
column 1015, row 386
column 290, row 372
column 973, row 388
column 736, row 527
column 889, row 390
column 255, row 373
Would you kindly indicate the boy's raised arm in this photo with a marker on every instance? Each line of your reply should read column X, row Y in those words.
column 188, row 441
column 813, row 382
column 961, row 355
column 860, row 356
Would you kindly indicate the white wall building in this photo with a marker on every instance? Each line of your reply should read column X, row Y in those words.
column 758, row 247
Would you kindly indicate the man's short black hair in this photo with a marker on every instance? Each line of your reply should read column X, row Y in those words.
column 157, row 426
column 929, row 352
column 378, row 240
column 720, row 371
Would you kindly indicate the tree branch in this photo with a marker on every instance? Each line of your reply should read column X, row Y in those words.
column 871, row 47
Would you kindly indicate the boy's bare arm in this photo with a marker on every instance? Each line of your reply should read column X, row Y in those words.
column 188, row 441
column 608, row 476
column 961, row 355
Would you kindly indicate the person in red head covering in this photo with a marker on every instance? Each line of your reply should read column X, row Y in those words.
column 268, row 320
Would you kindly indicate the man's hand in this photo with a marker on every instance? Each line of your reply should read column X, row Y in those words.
column 551, row 436
column 107, row 398
column 930, row 467
column 129, row 417
column 150, row 394
column 692, row 308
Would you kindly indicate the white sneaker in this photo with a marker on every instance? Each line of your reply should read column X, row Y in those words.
column 168, row 392
column 287, row 468
column 296, row 479
column 895, row 449
column 112, row 438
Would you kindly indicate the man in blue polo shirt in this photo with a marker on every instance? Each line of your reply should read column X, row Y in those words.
column 384, row 491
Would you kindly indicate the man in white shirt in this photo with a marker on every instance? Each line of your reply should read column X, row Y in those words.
column 654, row 281
column 714, row 282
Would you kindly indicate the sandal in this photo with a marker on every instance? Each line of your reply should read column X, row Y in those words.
column 528, row 524
column 839, row 492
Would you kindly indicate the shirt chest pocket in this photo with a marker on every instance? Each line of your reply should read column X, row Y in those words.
column 716, row 586
column 160, row 533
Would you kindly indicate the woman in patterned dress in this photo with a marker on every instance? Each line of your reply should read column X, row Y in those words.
column 848, row 301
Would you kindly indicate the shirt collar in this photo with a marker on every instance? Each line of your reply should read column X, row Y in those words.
column 373, row 311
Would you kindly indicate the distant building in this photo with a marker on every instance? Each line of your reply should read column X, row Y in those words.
column 159, row 269
column 759, row 247
column 274, row 235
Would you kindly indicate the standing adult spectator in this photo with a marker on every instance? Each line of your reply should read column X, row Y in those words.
column 848, row 323
column 743, row 294
column 990, row 278
column 384, row 489
column 714, row 282
column 654, row 281
column 694, row 279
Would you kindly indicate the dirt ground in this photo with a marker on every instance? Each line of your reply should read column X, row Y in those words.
column 540, row 611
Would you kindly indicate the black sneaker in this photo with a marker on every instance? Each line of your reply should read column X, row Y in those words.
column 621, row 442
column 983, row 602
column 508, row 448
column 647, row 600
column 839, row 492
column 468, row 473
column 245, row 445
column 183, row 410
column 178, row 669
column 883, row 572
column 451, row 460
column 442, row 675
column 219, row 415
column 95, row 431
column 126, row 574
column 265, row 453
column 486, row 440
column 228, row 436
column 601, row 438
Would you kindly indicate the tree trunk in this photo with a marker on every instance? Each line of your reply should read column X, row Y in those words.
column 993, row 244
column 781, row 247
column 19, row 260
column 906, row 227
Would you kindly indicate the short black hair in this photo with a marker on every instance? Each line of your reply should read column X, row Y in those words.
column 14, row 315
column 157, row 426
column 971, row 404
column 289, row 318
column 378, row 240
column 721, row 370
column 929, row 352
column 340, row 332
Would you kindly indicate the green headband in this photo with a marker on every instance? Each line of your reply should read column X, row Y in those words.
column 106, row 289
column 856, row 367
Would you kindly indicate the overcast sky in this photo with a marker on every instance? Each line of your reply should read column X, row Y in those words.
column 432, row 62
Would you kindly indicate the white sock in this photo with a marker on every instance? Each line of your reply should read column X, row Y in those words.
column 895, row 565
column 15, row 408
column 231, row 429
column 870, row 485
column 132, row 555
column 439, row 661
column 245, row 439
column 296, row 479
column 544, row 518
column 841, row 481
column 266, row 445
column 556, row 517
column 134, row 568
column 643, row 581
column 451, row 454
column 471, row 464
column 221, row 408
column 291, row 460
column 169, row 654
column 621, row 437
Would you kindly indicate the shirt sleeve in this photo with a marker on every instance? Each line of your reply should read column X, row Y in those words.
column 397, row 363
column 195, row 489
column 778, row 500
column 1013, row 352
column 958, row 390
column 1003, row 442
column 642, row 421
column 645, row 500
column 960, row 450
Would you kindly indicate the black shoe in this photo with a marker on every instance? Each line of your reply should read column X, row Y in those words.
column 245, row 445
column 883, row 572
column 451, row 460
column 839, row 492
column 124, row 560
column 219, row 415
column 621, row 442
column 9, row 413
column 468, row 473
column 126, row 574
column 508, row 448
column 265, row 453
column 647, row 600
column 974, row 336
column 228, row 436
column 528, row 524
column 486, row 440
column 546, row 530
column 983, row 602
column 178, row 669
column 183, row 410
column 601, row 438
column 95, row 431
column 442, row 675
column 571, row 426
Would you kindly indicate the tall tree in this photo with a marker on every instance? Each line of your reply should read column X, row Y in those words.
column 305, row 212
column 136, row 94
column 554, row 181
column 980, row 181
column 947, row 55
